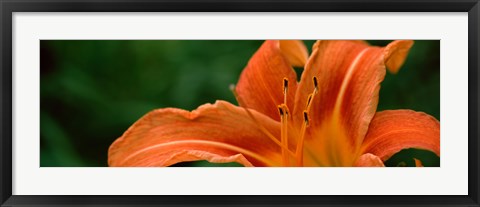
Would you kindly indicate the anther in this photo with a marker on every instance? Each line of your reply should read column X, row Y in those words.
column 283, row 110
column 280, row 110
column 262, row 128
column 285, row 90
column 306, row 118
column 299, row 150
column 315, row 91
column 285, row 85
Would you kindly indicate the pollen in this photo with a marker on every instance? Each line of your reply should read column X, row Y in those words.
column 305, row 118
column 280, row 111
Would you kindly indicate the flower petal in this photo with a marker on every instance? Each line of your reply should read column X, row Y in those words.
column 418, row 163
column 260, row 86
column 369, row 160
column 396, row 53
column 394, row 130
column 349, row 74
column 295, row 51
column 217, row 133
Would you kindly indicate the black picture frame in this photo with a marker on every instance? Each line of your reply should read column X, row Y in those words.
column 7, row 8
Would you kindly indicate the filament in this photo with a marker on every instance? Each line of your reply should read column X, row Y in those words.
column 299, row 150
column 306, row 123
column 282, row 109
column 260, row 126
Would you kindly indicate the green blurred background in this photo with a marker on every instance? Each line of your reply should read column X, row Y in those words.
column 91, row 91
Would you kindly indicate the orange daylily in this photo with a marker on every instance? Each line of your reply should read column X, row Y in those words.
column 328, row 118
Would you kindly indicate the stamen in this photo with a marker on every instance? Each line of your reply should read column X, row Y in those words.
column 285, row 90
column 282, row 109
column 310, row 96
column 305, row 118
column 261, row 127
column 299, row 150
column 309, row 100
column 306, row 123
column 287, row 112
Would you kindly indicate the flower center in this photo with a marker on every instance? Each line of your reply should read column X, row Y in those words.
column 284, row 113
column 284, row 116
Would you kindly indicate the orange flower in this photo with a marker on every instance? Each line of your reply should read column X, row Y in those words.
column 329, row 118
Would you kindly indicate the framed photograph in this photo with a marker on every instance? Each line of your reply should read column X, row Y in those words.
column 199, row 103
